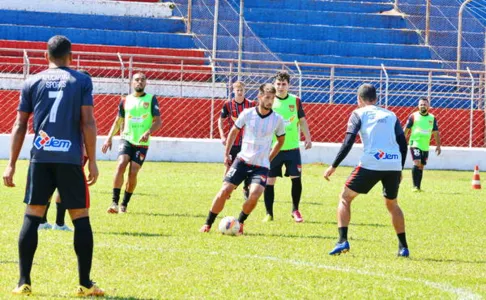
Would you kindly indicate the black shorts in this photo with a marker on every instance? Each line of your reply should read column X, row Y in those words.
column 241, row 171
column 291, row 160
column 363, row 180
column 234, row 152
column 136, row 153
column 69, row 179
column 418, row 154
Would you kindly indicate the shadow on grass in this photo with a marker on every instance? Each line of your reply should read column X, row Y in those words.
column 136, row 193
column 460, row 261
column 292, row 236
column 352, row 224
column 105, row 297
column 8, row 262
column 303, row 203
column 186, row 215
column 141, row 234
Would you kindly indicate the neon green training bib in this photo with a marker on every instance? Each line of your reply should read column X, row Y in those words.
column 288, row 109
column 138, row 118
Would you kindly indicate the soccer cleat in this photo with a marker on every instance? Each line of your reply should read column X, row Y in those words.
column 44, row 226
column 62, row 228
column 24, row 289
column 416, row 190
column 268, row 218
column 240, row 232
column 340, row 248
column 113, row 209
column 205, row 228
column 403, row 252
column 94, row 290
column 297, row 216
column 123, row 209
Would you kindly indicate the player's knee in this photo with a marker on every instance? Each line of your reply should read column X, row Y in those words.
column 122, row 165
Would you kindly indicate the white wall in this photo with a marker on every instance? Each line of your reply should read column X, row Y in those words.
column 91, row 7
column 205, row 150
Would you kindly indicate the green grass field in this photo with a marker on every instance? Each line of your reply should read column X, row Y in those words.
column 156, row 252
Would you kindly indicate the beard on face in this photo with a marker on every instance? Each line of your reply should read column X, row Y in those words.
column 423, row 110
column 139, row 89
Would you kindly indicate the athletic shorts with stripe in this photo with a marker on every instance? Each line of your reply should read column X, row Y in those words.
column 418, row 154
column 69, row 179
column 363, row 180
column 292, row 161
column 240, row 171
column 136, row 153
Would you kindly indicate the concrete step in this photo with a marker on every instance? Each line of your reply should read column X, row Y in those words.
column 343, row 6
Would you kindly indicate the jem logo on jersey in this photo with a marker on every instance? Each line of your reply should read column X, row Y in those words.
column 380, row 155
column 48, row 143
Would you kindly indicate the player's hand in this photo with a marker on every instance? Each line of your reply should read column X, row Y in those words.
column 438, row 151
column 227, row 160
column 223, row 141
column 145, row 137
column 8, row 176
column 93, row 172
column 308, row 144
column 106, row 145
column 329, row 172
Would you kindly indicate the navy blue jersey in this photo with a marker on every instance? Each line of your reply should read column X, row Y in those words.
column 55, row 97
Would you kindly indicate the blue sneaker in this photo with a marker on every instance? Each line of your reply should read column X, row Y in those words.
column 403, row 252
column 340, row 248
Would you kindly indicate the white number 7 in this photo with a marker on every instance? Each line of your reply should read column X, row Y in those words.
column 55, row 106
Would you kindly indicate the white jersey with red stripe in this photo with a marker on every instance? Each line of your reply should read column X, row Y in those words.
column 258, row 135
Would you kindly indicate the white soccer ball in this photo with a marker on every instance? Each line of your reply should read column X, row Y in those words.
column 229, row 226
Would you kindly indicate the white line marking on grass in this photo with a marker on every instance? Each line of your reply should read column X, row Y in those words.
column 459, row 292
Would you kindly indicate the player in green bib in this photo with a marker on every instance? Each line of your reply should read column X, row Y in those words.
column 421, row 125
column 140, row 116
column 290, row 108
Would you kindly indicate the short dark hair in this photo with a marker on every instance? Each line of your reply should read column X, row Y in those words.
column 84, row 72
column 282, row 76
column 266, row 87
column 424, row 99
column 58, row 46
column 367, row 92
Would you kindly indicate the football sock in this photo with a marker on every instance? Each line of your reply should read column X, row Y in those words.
column 27, row 245
column 419, row 177
column 83, row 246
column 61, row 213
column 242, row 218
column 211, row 217
column 402, row 240
column 269, row 197
column 343, row 234
column 126, row 198
column 116, row 195
column 44, row 218
column 415, row 176
column 296, row 192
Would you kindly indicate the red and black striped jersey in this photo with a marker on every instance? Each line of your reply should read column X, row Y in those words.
column 231, row 110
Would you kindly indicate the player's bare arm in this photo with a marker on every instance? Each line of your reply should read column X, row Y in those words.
column 305, row 129
column 114, row 130
column 221, row 131
column 156, row 124
column 436, row 135
column 229, row 143
column 18, row 135
column 88, row 127
column 276, row 149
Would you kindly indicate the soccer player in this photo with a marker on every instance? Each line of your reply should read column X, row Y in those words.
column 290, row 108
column 384, row 154
column 231, row 110
column 139, row 112
column 61, row 210
column 62, row 104
column 260, row 124
column 422, row 125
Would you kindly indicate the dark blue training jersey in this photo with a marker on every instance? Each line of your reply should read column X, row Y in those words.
column 55, row 97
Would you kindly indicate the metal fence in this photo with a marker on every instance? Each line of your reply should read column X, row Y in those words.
column 191, row 92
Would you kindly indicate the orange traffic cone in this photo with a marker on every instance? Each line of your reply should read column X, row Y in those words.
column 476, row 182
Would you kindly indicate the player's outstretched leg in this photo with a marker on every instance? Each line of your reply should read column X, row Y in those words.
column 344, row 217
column 398, row 221
column 218, row 205
column 256, row 190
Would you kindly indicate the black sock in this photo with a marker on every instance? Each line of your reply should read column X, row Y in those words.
column 210, row 219
column 44, row 218
column 242, row 218
column 269, row 198
column 116, row 195
column 27, row 245
column 402, row 240
column 126, row 198
column 83, row 245
column 296, row 192
column 61, row 213
column 415, row 176
column 343, row 234
column 419, row 177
